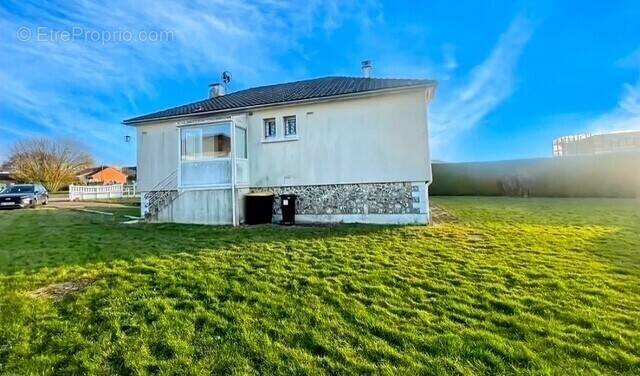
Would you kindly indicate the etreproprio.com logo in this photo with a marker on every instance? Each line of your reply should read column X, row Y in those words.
column 80, row 34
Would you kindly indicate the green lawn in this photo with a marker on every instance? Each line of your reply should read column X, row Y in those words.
column 529, row 286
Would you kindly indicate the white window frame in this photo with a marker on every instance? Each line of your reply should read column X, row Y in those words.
column 280, row 130
column 229, row 158
column 234, row 154
column 265, row 135
column 284, row 125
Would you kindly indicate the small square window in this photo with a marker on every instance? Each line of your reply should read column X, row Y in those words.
column 290, row 129
column 270, row 128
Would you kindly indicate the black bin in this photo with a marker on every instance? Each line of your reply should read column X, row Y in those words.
column 288, row 207
column 258, row 208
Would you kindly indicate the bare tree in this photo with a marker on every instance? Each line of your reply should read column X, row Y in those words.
column 54, row 163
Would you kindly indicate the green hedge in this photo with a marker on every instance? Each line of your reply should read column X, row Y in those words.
column 606, row 175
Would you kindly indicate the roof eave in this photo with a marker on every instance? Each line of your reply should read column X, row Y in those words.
column 134, row 122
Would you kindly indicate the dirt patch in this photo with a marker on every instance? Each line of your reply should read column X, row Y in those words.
column 440, row 215
column 58, row 291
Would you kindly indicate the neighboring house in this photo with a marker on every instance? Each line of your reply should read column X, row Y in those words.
column 5, row 179
column 352, row 149
column 590, row 144
column 102, row 175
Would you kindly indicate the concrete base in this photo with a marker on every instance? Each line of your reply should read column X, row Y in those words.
column 205, row 207
column 379, row 219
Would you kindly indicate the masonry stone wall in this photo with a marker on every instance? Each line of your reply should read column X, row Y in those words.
column 370, row 198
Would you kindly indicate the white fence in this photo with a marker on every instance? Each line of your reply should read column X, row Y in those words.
column 100, row 192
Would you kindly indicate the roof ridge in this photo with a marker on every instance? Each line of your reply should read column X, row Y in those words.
column 329, row 77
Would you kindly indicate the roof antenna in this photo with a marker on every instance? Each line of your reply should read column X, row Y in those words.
column 226, row 78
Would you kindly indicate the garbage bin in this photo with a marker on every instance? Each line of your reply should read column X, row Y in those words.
column 258, row 208
column 288, row 207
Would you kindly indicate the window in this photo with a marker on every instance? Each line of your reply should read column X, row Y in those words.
column 205, row 155
column 270, row 128
column 290, row 126
column 241, row 143
column 210, row 142
column 216, row 142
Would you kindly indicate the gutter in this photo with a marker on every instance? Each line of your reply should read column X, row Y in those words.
column 231, row 111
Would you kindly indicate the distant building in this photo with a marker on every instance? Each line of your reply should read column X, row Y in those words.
column 131, row 172
column 102, row 175
column 589, row 144
column 6, row 178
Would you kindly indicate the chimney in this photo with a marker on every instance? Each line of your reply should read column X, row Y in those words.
column 366, row 68
column 216, row 90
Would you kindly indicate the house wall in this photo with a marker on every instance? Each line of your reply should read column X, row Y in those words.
column 371, row 149
column 381, row 138
column 398, row 202
column 212, row 207
column 109, row 176
column 375, row 139
column 157, row 153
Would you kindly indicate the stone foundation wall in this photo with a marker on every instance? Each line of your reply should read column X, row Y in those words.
column 370, row 198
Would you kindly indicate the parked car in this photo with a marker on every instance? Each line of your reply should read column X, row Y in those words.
column 23, row 195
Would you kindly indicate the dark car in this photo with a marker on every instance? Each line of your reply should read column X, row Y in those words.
column 23, row 195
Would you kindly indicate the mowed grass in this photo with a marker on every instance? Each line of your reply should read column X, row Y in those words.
column 527, row 286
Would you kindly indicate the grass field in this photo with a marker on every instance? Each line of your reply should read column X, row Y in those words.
column 529, row 286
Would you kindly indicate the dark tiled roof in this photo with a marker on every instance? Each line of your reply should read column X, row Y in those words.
column 282, row 93
column 91, row 171
column 6, row 176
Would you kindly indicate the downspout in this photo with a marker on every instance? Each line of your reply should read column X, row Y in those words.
column 233, row 174
column 429, row 97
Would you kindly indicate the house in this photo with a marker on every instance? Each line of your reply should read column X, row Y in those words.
column 354, row 149
column 102, row 175
column 6, row 179
column 6, row 176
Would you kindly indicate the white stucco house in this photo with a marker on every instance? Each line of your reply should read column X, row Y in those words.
column 354, row 149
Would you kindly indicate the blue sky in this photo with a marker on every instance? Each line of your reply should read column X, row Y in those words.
column 512, row 75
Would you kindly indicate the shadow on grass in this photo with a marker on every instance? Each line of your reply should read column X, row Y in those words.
column 32, row 240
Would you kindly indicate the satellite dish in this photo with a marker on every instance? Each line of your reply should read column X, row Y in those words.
column 226, row 77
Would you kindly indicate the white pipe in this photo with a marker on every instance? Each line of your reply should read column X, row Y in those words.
column 233, row 173
column 429, row 93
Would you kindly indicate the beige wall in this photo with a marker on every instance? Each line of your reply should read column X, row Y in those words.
column 157, row 153
column 380, row 138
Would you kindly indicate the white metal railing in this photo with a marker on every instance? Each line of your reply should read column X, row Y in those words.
column 95, row 192
column 130, row 190
column 160, row 195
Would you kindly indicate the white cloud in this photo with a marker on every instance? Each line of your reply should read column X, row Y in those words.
column 626, row 115
column 462, row 106
column 87, row 87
